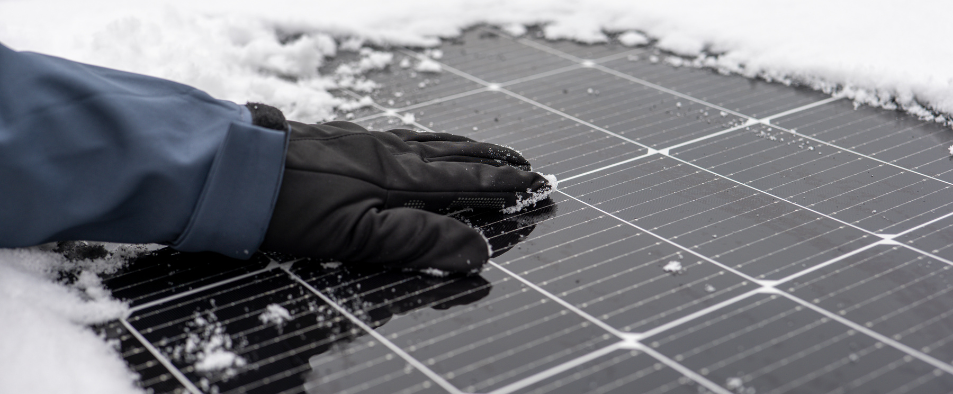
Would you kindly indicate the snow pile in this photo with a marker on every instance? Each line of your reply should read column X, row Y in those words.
column 208, row 347
column 44, row 339
column 879, row 52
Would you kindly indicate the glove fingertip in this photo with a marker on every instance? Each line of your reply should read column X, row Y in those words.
column 542, row 187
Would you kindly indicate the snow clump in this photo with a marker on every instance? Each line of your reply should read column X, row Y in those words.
column 673, row 267
column 428, row 66
column 208, row 347
column 632, row 38
column 276, row 314
column 533, row 197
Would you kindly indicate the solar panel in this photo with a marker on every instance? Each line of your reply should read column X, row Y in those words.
column 711, row 233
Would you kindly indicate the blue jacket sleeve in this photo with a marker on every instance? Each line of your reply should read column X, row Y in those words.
column 89, row 153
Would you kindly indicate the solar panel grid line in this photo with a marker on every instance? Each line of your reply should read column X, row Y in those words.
column 439, row 380
column 161, row 357
column 184, row 294
column 871, row 333
column 801, row 206
column 663, row 239
column 794, row 132
column 551, row 50
column 632, row 376
column 667, row 90
column 169, row 323
column 748, row 227
column 565, row 304
column 773, row 289
column 600, row 169
column 695, row 315
column 761, row 162
column 529, row 380
column 688, row 372
column 828, row 262
column 864, row 281
column 555, row 111
column 767, row 119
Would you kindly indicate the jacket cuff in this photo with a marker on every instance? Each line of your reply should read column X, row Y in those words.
column 238, row 198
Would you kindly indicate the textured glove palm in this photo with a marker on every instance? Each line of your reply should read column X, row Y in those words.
column 362, row 197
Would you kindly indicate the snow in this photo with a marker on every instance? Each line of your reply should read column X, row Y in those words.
column 276, row 314
column 534, row 197
column 880, row 52
column 632, row 38
column 673, row 267
column 428, row 66
column 45, row 341
column 208, row 347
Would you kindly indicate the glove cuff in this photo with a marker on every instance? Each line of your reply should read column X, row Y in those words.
column 266, row 116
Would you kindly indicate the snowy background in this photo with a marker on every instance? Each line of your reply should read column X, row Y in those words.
column 888, row 54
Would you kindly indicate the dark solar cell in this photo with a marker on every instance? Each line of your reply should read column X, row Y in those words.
column 769, row 344
column 850, row 187
column 479, row 339
column 166, row 272
column 636, row 112
column 495, row 57
column 892, row 290
column 891, row 136
column 935, row 238
column 404, row 86
column 751, row 97
column 554, row 144
column 615, row 272
column 618, row 372
column 153, row 376
column 746, row 230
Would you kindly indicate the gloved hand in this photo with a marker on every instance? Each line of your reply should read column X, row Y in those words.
column 362, row 197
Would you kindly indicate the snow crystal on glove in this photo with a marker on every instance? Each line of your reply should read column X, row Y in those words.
column 534, row 197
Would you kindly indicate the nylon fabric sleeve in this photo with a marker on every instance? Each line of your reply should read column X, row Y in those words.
column 90, row 153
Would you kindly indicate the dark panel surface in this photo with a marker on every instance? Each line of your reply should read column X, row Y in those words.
column 153, row 376
column 506, row 331
column 166, row 272
column 751, row 97
column 615, row 272
column 897, row 292
column 622, row 371
column 553, row 144
column 768, row 344
column 640, row 113
column 890, row 136
column 746, row 230
column 495, row 57
column 935, row 238
column 405, row 86
column 850, row 187
column 276, row 355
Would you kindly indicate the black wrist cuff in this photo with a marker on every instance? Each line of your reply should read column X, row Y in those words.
column 266, row 116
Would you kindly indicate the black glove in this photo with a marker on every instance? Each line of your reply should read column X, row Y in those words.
column 361, row 197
